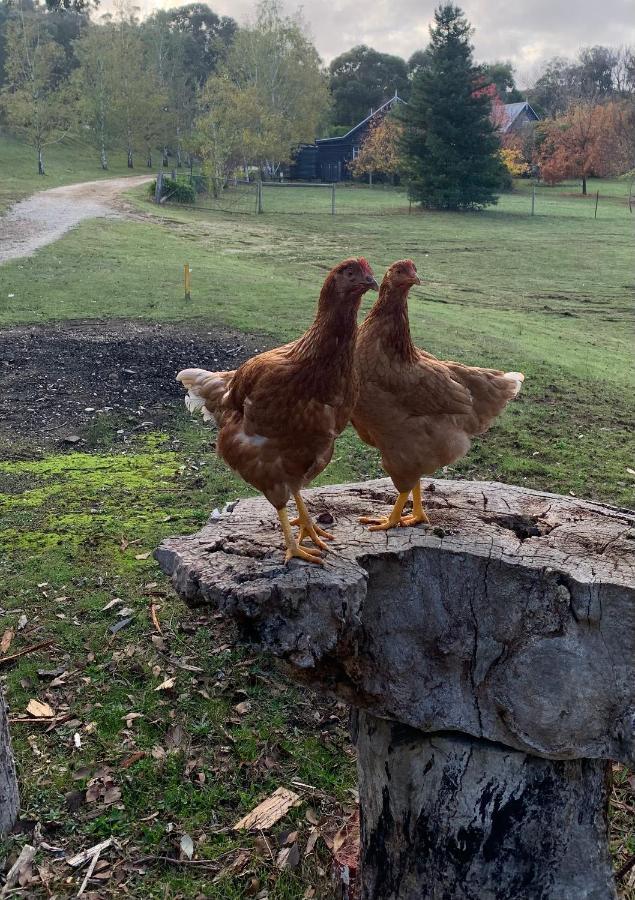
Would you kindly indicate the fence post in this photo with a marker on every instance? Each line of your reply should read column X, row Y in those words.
column 533, row 198
column 158, row 190
column 333, row 199
column 597, row 200
column 173, row 174
column 259, row 198
column 187, row 282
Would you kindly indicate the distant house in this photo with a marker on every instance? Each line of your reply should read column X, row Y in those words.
column 516, row 115
column 328, row 158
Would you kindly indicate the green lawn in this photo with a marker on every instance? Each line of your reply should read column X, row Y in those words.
column 550, row 295
column 65, row 163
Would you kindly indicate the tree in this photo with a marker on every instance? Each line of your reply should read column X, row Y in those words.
column 501, row 74
column 95, row 79
column 277, row 76
column 420, row 59
column 207, row 38
column 362, row 79
column 35, row 96
column 379, row 152
column 139, row 105
column 590, row 139
column 450, row 144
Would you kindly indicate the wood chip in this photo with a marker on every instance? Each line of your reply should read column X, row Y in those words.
column 155, row 618
column 270, row 811
column 5, row 642
column 80, row 859
column 40, row 710
column 166, row 685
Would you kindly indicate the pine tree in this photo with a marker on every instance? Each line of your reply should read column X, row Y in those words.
column 450, row 145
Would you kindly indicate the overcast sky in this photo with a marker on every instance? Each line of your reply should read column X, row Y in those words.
column 525, row 31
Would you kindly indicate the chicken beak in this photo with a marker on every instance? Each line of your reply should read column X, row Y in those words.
column 417, row 280
column 372, row 283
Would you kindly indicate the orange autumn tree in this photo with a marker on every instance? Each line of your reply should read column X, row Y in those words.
column 590, row 139
column 379, row 152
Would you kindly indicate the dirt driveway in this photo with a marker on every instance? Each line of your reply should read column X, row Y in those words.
column 47, row 215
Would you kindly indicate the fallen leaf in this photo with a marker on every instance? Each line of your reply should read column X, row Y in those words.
column 143, row 555
column 174, row 737
column 40, row 710
column 158, row 752
column 269, row 811
column 238, row 865
column 133, row 758
column 187, row 846
column 22, row 621
column 312, row 841
column 130, row 717
column 243, row 708
column 166, row 685
column 311, row 816
column 346, row 844
column 77, row 741
column 111, row 603
column 288, row 857
column 5, row 642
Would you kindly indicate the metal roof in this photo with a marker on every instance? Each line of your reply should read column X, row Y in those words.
column 395, row 99
column 513, row 110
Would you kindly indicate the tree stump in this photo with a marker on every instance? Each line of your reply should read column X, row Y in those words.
column 490, row 659
column 9, row 800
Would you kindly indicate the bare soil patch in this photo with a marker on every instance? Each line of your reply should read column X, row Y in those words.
column 58, row 381
column 48, row 215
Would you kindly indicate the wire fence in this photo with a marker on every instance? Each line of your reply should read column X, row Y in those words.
column 347, row 198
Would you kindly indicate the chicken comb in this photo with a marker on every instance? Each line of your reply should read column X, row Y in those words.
column 365, row 265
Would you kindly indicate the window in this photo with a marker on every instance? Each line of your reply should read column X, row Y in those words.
column 355, row 152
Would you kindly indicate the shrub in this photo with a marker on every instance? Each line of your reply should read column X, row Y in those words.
column 177, row 191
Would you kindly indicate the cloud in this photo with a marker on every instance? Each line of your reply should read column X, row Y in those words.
column 526, row 32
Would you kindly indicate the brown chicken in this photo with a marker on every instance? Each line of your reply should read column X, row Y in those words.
column 418, row 411
column 280, row 412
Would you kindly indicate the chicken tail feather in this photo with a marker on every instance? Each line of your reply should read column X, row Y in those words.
column 205, row 391
column 518, row 377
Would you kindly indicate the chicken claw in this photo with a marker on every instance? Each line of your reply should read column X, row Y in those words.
column 293, row 549
column 394, row 520
column 308, row 528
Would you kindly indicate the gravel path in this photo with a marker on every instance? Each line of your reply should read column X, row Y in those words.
column 48, row 215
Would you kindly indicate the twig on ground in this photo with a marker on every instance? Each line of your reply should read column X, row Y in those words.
column 8, row 659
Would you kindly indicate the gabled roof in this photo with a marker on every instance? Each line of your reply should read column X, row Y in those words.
column 386, row 105
column 513, row 110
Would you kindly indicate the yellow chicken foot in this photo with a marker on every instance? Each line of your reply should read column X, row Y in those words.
column 418, row 512
column 308, row 528
column 394, row 520
column 293, row 549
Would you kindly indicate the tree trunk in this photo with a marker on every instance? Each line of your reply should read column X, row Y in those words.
column 370, row 179
column 9, row 800
column 130, row 159
column 584, row 185
column 165, row 160
column 149, row 159
column 40, row 162
column 452, row 816
column 103, row 158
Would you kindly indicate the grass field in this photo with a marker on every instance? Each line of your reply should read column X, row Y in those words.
column 550, row 295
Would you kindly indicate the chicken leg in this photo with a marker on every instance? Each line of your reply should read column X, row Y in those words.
column 383, row 523
column 418, row 512
column 308, row 528
column 293, row 548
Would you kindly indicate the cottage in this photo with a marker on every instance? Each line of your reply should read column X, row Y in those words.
column 328, row 158
column 516, row 115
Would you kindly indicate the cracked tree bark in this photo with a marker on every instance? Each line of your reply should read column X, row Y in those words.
column 9, row 800
column 490, row 657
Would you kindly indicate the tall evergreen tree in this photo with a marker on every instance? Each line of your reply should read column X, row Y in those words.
column 450, row 145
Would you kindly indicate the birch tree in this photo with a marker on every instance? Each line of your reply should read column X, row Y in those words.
column 35, row 96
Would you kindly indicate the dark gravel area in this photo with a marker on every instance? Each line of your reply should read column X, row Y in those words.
column 57, row 381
